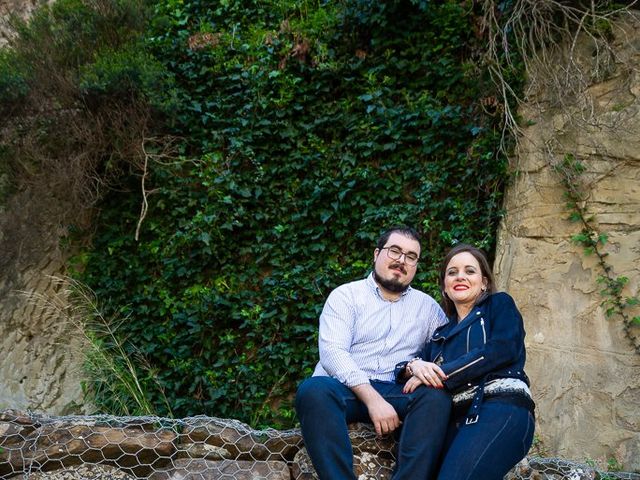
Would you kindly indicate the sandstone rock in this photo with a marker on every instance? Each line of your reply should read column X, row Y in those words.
column 84, row 472
column 302, row 468
column 372, row 466
column 523, row 470
column 562, row 469
column 366, row 465
column 50, row 445
column 364, row 439
column 202, row 450
column 184, row 469
column 22, row 8
column 584, row 370
column 239, row 441
column 106, row 447
column 41, row 361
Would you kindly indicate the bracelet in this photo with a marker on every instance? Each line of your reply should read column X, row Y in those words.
column 408, row 367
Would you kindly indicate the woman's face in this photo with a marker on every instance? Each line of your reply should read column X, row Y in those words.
column 463, row 280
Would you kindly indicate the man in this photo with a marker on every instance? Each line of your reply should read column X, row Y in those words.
column 366, row 328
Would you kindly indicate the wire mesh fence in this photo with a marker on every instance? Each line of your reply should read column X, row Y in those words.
column 38, row 446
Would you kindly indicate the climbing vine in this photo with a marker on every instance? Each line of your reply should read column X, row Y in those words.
column 593, row 242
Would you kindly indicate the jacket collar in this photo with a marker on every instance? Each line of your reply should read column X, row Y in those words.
column 454, row 326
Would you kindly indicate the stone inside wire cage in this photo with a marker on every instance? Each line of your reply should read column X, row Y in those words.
column 36, row 446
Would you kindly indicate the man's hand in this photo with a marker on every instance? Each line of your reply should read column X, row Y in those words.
column 383, row 416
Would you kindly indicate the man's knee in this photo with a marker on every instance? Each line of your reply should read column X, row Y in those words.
column 306, row 392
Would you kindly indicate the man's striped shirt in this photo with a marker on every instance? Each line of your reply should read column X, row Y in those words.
column 363, row 336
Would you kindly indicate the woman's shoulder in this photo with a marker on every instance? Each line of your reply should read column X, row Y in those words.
column 500, row 299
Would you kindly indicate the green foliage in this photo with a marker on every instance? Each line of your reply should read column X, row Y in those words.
column 13, row 82
column 61, row 37
column 308, row 128
column 125, row 381
column 613, row 465
column 75, row 95
column 6, row 184
column 127, row 73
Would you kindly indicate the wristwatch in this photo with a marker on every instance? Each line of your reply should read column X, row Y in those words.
column 408, row 366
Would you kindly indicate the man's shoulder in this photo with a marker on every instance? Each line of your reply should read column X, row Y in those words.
column 419, row 294
column 350, row 288
column 355, row 285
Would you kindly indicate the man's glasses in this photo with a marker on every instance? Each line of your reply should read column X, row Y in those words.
column 396, row 253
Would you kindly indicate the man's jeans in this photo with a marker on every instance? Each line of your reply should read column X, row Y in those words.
column 325, row 407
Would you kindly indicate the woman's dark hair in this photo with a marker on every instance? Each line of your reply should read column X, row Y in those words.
column 402, row 230
column 447, row 304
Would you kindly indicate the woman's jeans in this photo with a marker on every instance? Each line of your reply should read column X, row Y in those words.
column 325, row 407
column 488, row 449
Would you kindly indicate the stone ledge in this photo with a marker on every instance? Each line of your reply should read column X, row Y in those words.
column 204, row 448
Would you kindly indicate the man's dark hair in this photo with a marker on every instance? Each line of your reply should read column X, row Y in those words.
column 402, row 230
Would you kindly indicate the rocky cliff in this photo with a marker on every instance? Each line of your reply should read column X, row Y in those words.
column 41, row 363
column 584, row 366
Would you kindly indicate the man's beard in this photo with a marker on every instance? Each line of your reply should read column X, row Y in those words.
column 391, row 284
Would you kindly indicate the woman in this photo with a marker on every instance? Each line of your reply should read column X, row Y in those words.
column 479, row 357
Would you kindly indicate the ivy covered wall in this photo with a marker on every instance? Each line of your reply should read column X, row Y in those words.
column 278, row 139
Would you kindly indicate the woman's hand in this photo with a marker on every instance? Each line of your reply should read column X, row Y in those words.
column 426, row 373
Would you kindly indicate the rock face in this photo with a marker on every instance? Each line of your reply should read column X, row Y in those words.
column 584, row 367
column 20, row 8
column 41, row 364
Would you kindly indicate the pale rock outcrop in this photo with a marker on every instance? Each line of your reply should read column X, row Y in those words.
column 41, row 362
column 584, row 369
column 19, row 8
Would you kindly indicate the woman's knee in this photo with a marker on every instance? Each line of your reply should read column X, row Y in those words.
column 434, row 397
column 492, row 446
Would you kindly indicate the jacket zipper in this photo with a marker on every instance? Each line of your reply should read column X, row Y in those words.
column 464, row 367
column 484, row 334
